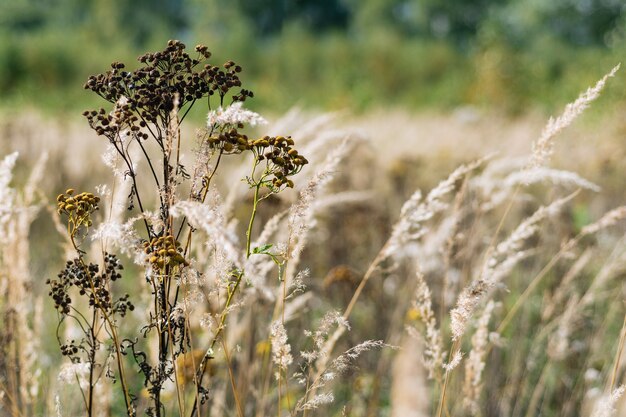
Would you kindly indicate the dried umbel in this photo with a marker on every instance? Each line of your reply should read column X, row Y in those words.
column 78, row 208
column 80, row 279
column 92, row 284
column 282, row 160
column 169, row 80
column 275, row 153
column 164, row 251
column 275, row 159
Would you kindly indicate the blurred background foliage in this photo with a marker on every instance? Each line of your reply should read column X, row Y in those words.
column 508, row 55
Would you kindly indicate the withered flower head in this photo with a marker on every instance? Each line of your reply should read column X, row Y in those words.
column 164, row 251
column 77, row 207
column 169, row 79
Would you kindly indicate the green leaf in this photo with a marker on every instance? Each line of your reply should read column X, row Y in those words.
column 263, row 248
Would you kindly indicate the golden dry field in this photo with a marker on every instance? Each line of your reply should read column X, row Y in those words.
column 393, row 263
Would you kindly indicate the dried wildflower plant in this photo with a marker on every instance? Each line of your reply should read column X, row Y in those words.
column 143, row 128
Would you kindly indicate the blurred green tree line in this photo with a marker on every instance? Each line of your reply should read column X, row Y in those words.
column 325, row 53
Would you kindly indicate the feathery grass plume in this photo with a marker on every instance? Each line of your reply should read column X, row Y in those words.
column 270, row 228
column 558, row 344
column 320, row 335
column 501, row 270
column 203, row 166
column 565, row 285
column 317, row 401
column 497, row 191
column 457, row 357
column 32, row 189
column 609, row 219
column 312, row 130
column 336, row 367
column 433, row 355
column 297, row 305
column 605, row 407
column 415, row 212
column 281, row 349
column 507, row 253
column 554, row 176
column 317, row 146
column 343, row 198
column 526, row 229
column 233, row 115
column 542, row 148
column 611, row 269
column 258, row 268
column 111, row 157
column 57, row 406
column 6, row 193
column 209, row 217
column 301, row 218
column 115, row 205
column 318, row 355
column 466, row 304
column 475, row 363
column 429, row 249
column 122, row 236
column 72, row 373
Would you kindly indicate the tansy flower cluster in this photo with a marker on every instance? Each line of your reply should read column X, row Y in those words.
column 170, row 78
column 90, row 283
column 78, row 208
column 282, row 160
column 164, row 251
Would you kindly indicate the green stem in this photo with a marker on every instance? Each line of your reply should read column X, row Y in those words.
column 252, row 217
column 618, row 356
column 231, row 295
column 442, row 401
column 209, row 352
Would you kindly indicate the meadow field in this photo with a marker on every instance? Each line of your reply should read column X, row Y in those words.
column 376, row 208
column 433, row 263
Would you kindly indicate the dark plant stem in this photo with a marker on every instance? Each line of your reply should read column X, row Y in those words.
column 132, row 175
column 255, row 205
column 145, row 153
column 92, row 361
column 118, row 353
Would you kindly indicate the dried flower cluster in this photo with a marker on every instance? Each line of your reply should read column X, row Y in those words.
column 149, row 105
column 164, row 251
column 92, row 284
column 78, row 208
column 168, row 80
